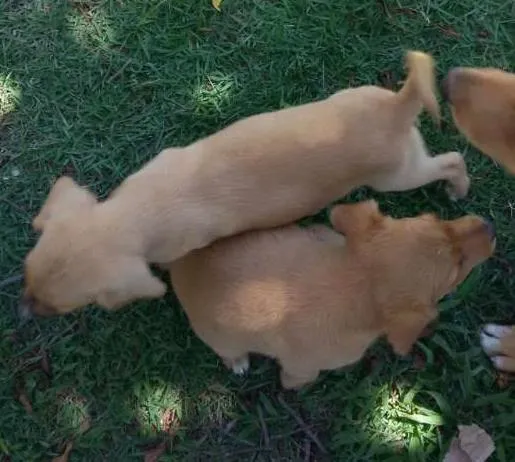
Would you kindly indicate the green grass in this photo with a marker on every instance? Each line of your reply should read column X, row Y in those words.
column 95, row 88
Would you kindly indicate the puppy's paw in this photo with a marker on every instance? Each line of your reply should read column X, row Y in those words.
column 239, row 366
column 498, row 342
column 459, row 181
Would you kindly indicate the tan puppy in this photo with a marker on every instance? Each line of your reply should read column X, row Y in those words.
column 261, row 172
column 483, row 106
column 316, row 300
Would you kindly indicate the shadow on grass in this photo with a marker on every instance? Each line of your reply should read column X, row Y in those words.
column 104, row 86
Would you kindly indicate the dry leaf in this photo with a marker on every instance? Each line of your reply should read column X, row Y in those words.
column 153, row 454
column 503, row 380
column 405, row 11
column 22, row 397
column 476, row 442
column 455, row 453
column 217, row 4
column 483, row 34
column 169, row 422
column 45, row 363
column 449, row 31
column 64, row 456
column 472, row 445
column 419, row 361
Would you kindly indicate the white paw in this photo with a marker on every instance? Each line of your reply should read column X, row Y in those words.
column 496, row 330
column 241, row 366
column 489, row 343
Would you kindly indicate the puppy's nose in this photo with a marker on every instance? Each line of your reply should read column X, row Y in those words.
column 25, row 308
column 490, row 229
column 448, row 83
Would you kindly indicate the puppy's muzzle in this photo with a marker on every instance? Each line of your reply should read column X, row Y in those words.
column 490, row 229
column 29, row 306
column 449, row 83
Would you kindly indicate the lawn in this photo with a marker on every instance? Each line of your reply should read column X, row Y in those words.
column 95, row 88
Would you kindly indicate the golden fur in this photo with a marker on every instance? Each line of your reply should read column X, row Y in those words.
column 483, row 106
column 315, row 299
column 263, row 171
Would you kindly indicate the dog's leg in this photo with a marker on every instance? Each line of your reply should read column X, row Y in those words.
column 498, row 342
column 293, row 380
column 423, row 169
column 239, row 365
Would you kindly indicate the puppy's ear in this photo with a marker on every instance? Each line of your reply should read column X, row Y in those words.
column 65, row 196
column 405, row 324
column 127, row 281
column 352, row 218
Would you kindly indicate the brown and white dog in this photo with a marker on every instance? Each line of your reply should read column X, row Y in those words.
column 263, row 171
column 316, row 300
column 483, row 106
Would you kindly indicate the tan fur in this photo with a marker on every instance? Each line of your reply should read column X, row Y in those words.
column 317, row 300
column 483, row 106
column 260, row 172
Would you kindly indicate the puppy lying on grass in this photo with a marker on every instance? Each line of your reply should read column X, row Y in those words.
column 483, row 106
column 263, row 171
column 317, row 300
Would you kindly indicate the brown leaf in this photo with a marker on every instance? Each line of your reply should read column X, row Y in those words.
column 169, row 422
column 483, row 34
column 472, row 445
column 503, row 380
column 45, row 363
column 153, row 454
column 405, row 11
column 21, row 396
column 217, row 4
column 419, row 361
column 449, row 31
column 65, row 455
column 455, row 453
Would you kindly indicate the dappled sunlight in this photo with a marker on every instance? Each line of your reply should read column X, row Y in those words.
column 400, row 422
column 154, row 402
column 160, row 405
column 91, row 28
column 213, row 92
column 72, row 413
column 10, row 94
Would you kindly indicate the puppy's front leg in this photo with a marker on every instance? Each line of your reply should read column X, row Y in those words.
column 423, row 169
column 453, row 169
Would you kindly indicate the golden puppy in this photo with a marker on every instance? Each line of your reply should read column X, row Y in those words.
column 483, row 106
column 264, row 171
column 317, row 300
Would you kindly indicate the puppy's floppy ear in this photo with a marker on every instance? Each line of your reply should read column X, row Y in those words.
column 405, row 323
column 129, row 280
column 351, row 218
column 65, row 196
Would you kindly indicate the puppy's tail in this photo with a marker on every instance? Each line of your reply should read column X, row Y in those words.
column 419, row 89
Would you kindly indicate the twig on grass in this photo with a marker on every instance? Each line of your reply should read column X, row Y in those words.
column 302, row 424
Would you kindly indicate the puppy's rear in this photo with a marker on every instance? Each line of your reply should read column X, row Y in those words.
column 316, row 300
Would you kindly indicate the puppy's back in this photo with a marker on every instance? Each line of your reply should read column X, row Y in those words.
column 286, row 292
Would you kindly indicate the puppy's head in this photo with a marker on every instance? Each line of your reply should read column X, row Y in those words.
column 483, row 106
column 75, row 262
column 411, row 263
